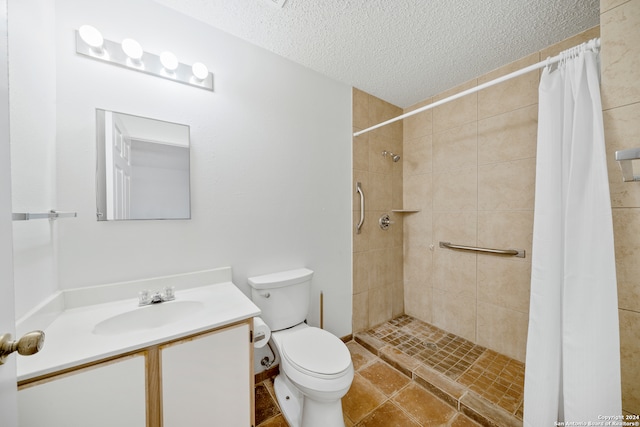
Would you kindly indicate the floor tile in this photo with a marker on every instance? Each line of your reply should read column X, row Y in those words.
column 360, row 356
column 265, row 405
column 384, row 377
column 463, row 421
column 387, row 415
column 424, row 406
column 362, row 398
column 277, row 421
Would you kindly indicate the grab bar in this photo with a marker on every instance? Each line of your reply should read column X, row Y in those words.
column 359, row 190
column 519, row 253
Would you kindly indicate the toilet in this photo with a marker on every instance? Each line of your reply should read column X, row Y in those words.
column 315, row 366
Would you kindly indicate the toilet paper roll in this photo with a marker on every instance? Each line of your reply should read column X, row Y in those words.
column 261, row 333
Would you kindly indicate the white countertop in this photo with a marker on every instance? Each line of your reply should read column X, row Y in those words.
column 70, row 339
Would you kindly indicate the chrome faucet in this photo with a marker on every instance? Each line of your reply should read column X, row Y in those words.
column 145, row 297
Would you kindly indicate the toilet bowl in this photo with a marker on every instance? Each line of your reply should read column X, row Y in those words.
column 315, row 366
column 315, row 373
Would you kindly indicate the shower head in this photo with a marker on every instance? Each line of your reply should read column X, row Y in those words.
column 394, row 157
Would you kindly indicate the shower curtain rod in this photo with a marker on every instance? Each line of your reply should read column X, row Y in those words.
column 591, row 44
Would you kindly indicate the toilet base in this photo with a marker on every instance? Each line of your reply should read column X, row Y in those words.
column 290, row 400
column 300, row 411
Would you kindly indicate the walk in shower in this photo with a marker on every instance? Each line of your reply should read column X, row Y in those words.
column 466, row 176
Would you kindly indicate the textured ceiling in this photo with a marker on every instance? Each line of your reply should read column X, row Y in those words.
column 402, row 51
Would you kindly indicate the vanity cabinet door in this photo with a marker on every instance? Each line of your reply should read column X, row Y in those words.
column 104, row 395
column 208, row 380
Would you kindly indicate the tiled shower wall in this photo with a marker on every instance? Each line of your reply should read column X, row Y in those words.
column 470, row 169
column 620, row 88
column 377, row 253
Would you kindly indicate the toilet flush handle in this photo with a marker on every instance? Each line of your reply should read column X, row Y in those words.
column 266, row 295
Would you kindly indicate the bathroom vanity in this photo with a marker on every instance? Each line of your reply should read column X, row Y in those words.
column 109, row 362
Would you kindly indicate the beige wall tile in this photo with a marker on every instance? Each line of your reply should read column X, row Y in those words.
column 417, row 282
column 508, row 136
column 605, row 5
column 629, row 351
column 385, row 269
column 417, row 264
column 456, row 148
column 380, row 305
column 510, row 95
column 380, row 192
column 507, row 185
column 504, row 282
column 361, row 152
column 620, row 57
column 455, row 113
column 417, row 301
column 626, row 229
column 398, row 299
column 455, row 190
column 555, row 49
column 396, row 186
column 360, row 102
column 380, row 111
column 506, row 230
column 417, row 157
column 455, row 227
column 418, row 191
column 418, row 229
column 503, row 330
column 360, row 319
column 362, row 265
column 419, row 124
column 455, row 271
column 455, row 314
column 622, row 127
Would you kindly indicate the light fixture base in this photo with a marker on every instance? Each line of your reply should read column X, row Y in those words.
column 152, row 65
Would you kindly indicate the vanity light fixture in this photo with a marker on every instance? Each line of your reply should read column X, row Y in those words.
column 200, row 71
column 134, row 52
column 169, row 62
column 92, row 37
column 129, row 54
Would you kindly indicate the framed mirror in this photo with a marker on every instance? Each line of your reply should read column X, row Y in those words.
column 142, row 168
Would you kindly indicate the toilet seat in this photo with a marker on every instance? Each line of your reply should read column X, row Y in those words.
column 316, row 352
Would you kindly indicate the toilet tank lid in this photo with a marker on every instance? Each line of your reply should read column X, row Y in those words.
column 280, row 279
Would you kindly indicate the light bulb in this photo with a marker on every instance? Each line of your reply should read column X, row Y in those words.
column 200, row 71
column 92, row 37
column 133, row 50
column 169, row 61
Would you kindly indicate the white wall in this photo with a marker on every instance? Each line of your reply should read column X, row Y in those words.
column 32, row 79
column 270, row 159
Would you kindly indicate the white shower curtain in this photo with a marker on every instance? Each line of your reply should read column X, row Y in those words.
column 573, row 350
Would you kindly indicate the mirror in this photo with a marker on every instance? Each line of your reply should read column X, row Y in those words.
column 142, row 168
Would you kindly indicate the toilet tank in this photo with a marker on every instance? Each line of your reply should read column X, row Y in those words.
column 282, row 297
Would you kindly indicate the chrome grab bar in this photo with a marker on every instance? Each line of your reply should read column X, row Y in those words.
column 519, row 253
column 359, row 190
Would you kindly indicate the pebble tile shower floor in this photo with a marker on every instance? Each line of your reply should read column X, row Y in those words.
column 410, row 373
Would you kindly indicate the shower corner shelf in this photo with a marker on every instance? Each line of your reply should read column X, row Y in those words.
column 407, row 211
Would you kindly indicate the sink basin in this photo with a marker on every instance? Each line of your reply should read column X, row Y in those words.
column 148, row 317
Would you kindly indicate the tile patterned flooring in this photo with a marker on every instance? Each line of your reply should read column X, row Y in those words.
column 412, row 374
